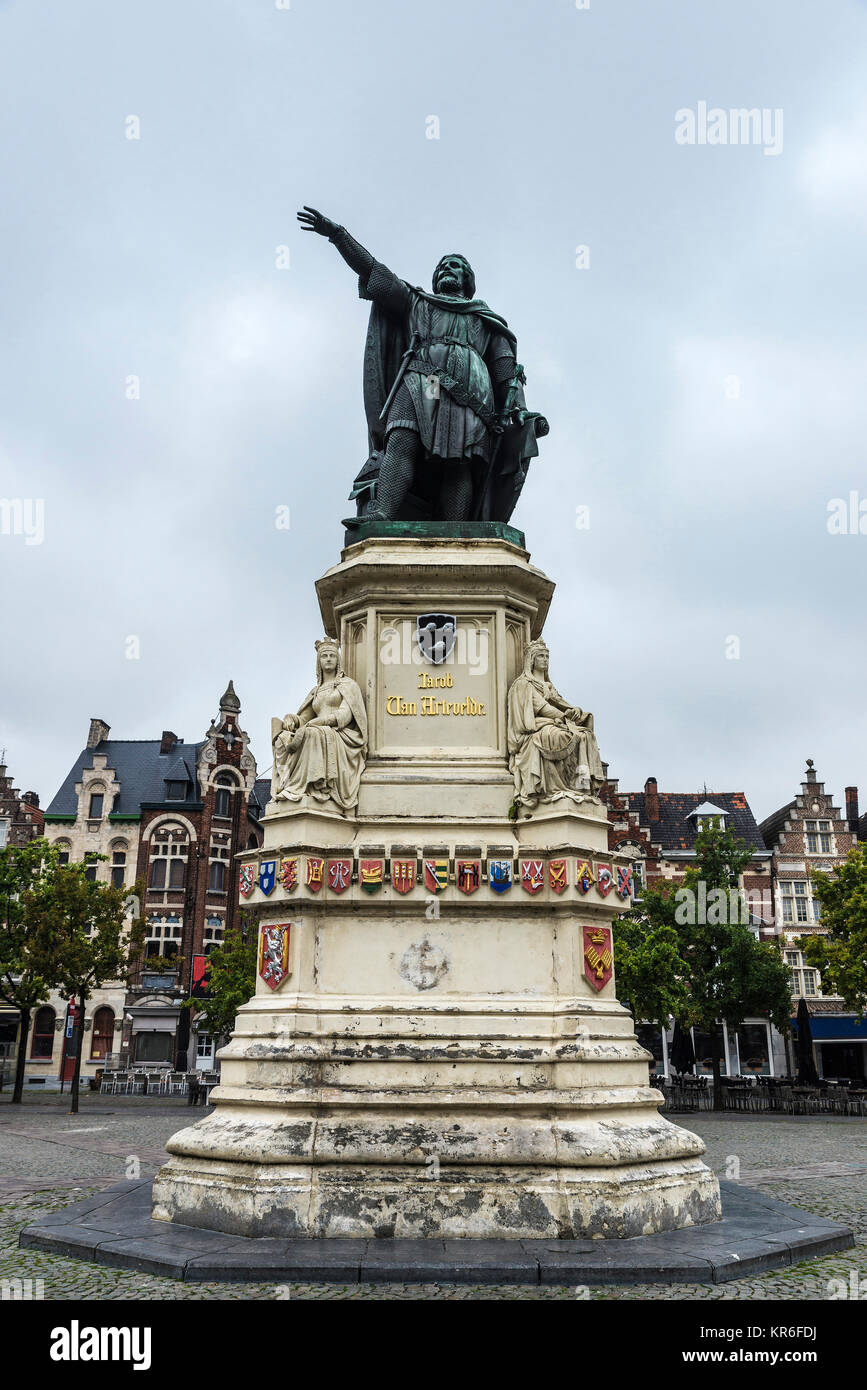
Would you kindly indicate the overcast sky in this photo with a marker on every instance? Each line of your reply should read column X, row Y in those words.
column 704, row 375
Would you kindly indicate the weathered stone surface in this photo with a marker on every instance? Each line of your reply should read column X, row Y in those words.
column 436, row 1064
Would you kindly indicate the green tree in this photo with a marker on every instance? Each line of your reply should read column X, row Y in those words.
column 841, row 956
column 24, row 982
column 697, row 931
column 231, row 981
column 86, row 938
column 650, row 970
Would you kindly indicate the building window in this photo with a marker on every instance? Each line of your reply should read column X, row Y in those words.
column 118, row 868
column 176, row 872
column 103, row 1033
column 63, row 846
column 96, row 802
column 805, row 981
column 176, row 791
column 217, row 877
column 163, row 937
column 43, row 1033
column 818, row 837
column 158, row 873
column 4, row 833
column 90, row 871
column 794, row 901
column 222, row 800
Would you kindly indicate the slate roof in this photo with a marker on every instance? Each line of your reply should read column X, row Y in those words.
column 139, row 767
column 772, row 826
column 262, row 794
column 675, row 831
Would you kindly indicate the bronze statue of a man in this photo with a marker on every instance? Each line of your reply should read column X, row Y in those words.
column 449, row 432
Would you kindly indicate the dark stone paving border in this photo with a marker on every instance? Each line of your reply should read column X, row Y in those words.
column 757, row 1233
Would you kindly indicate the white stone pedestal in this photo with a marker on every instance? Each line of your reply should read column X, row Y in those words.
column 436, row 1063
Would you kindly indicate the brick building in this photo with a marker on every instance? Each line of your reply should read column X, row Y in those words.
column 658, row 830
column 20, row 817
column 172, row 814
column 808, row 833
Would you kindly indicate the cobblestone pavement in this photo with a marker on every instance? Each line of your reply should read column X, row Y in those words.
column 49, row 1159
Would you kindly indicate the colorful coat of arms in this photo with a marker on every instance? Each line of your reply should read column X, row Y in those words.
column 500, row 874
column 604, row 879
column 274, row 954
column 624, row 881
column 370, row 873
column 436, row 875
column 586, row 877
column 315, row 872
column 532, row 874
column 339, row 874
column 267, row 875
column 246, row 879
column 558, row 874
column 403, row 874
column 598, row 956
column 287, row 874
column 468, row 874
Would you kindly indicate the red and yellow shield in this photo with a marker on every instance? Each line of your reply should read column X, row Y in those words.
column 598, row 956
column 558, row 874
column 436, row 875
column 315, row 872
column 586, row 877
column 403, row 875
column 468, row 874
column 287, row 874
column 274, row 954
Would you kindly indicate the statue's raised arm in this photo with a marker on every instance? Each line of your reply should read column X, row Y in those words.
column 450, row 436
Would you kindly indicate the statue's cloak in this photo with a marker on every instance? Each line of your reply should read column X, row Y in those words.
column 387, row 341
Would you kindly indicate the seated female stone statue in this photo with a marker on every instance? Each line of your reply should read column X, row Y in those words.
column 319, row 752
column 552, row 747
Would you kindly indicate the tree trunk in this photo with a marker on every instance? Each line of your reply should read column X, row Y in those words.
column 79, row 1043
column 718, row 1102
column 21, row 1059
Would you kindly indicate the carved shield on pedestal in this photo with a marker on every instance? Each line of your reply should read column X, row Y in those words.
column 436, row 634
column 403, row 875
column 274, row 954
column 246, row 879
column 598, row 956
column 532, row 875
column 339, row 874
column 604, row 879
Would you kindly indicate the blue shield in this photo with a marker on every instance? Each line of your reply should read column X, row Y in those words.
column 500, row 874
column 267, row 875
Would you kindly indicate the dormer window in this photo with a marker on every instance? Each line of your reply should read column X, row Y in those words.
column 707, row 816
column 96, row 803
column 176, row 791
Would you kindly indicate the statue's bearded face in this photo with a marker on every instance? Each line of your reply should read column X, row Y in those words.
column 454, row 277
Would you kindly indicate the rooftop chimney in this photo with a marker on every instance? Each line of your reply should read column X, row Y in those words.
column 852, row 809
column 32, row 798
column 168, row 741
column 98, row 731
column 651, row 799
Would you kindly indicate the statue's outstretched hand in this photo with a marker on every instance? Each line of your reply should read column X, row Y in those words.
column 313, row 221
